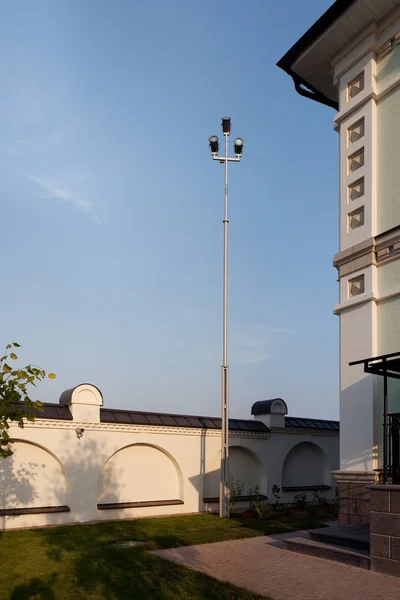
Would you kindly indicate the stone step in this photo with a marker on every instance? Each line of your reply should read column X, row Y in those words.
column 348, row 556
column 355, row 537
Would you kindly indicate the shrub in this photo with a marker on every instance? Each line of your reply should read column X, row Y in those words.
column 276, row 492
column 300, row 501
column 258, row 508
column 236, row 487
column 319, row 499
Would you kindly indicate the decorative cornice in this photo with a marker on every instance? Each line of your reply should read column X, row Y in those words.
column 388, row 46
column 378, row 250
column 355, row 258
column 113, row 427
column 305, row 431
column 363, row 299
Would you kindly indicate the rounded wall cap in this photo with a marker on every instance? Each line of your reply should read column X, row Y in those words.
column 84, row 393
column 266, row 407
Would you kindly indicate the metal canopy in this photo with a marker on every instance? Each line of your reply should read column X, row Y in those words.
column 386, row 365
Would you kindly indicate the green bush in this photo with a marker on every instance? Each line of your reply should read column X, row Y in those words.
column 236, row 487
column 300, row 501
column 276, row 492
column 258, row 507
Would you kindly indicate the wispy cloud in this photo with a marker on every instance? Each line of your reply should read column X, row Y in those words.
column 255, row 343
column 190, row 313
column 251, row 344
column 53, row 189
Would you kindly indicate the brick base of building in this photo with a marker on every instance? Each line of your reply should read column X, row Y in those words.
column 385, row 529
column 354, row 496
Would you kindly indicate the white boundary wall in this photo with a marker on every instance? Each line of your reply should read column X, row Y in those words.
column 163, row 470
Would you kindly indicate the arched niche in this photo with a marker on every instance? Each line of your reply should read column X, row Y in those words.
column 244, row 465
column 305, row 466
column 32, row 479
column 140, row 475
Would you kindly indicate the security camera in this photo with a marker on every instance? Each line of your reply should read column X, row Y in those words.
column 79, row 432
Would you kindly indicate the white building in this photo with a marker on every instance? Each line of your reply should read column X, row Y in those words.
column 80, row 462
column 350, row 60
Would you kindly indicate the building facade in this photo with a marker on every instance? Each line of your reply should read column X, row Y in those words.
column 350, row 60
column 79, row 462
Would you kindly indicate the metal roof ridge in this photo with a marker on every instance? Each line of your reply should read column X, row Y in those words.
column 164, row 414
column 312, row 419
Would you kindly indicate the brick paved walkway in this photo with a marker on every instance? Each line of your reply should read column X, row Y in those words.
column 262, row 565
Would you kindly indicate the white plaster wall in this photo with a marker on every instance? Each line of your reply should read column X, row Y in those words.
column 357, row 341
column 389, row 151
column 389, row 279
column 279, row 448
column 118, row 463
column 368, row 328
column 87, row 465
column 388, row 326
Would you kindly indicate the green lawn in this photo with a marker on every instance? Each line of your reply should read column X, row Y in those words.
column 78, row 562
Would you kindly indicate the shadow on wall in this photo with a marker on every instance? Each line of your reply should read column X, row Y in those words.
column 30, row 479
column 34, row 479
column 17, row 481
column 244, row 465
column 359, row 417
column 83, row 468
column 361, row 460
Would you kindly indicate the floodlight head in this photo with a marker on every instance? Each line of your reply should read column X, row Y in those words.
column 226, row 125
column 238, row 147
column 214, row 144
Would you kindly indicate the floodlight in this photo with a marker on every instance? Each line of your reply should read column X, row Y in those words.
column 226, row 125
column 238, row 147
column 214, row 144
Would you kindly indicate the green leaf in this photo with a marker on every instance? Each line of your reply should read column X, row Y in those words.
column 13, row 356
column 8, row 346
column 7, row 368
column 16, row 345
column 52, row 375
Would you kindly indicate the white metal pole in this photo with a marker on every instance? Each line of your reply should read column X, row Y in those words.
column 224, row 500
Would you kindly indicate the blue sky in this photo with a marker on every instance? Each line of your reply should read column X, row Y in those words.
column 112, row 208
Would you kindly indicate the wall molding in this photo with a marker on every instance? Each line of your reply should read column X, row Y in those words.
column 354, row 476
column 304, row 431
column 378, row 250
column 35, row 510
column 135, row 428
column 143, row 504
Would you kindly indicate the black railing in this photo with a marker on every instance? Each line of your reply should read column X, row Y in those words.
column 393, row 449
